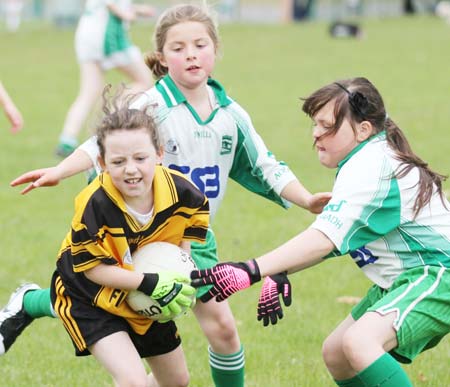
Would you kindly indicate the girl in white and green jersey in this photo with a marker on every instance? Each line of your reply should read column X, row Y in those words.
column 389, row 213
column 209, row 138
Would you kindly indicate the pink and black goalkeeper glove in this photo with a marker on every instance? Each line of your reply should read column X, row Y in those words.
column 269, row 306
column 226, row 278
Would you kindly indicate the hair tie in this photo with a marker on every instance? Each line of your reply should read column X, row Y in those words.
column 357, row 101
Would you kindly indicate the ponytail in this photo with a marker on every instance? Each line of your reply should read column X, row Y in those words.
column 155, row 66
column 429, row 181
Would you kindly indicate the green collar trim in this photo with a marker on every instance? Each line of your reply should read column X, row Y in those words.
column 173, row 96
column 381, row 136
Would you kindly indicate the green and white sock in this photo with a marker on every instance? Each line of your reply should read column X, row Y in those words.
column 68, row 140
column 227, row 370
column 37, row 303
column 385, row 372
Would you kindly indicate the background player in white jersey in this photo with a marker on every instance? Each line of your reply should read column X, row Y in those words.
column 101, row 44
column 388, row 211
column 208, row 137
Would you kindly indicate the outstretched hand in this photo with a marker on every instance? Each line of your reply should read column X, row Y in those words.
column 269, row 306
column 227, row 278
column 318, row 201
column 45, row 177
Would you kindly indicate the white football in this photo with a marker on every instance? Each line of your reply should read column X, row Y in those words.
column 153, row 258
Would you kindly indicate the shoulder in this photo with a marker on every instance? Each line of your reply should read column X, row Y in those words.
column 186, row 191
column 88, row 204
column 369, row 175
column 150, row 99
column 91, row 200
column 88, row 193
column 371, row 161
column 237, row 111
column 153, row 102
column 179, row 179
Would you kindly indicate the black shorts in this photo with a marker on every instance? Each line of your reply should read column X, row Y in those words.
column 89, row 324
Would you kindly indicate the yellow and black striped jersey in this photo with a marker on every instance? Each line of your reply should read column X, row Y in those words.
column 103, row 231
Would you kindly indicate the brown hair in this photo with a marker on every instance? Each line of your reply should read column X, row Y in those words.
column 119, row 116
column 357, row 100
column 178, row 14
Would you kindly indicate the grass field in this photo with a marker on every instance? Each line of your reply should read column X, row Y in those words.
column 266, row 68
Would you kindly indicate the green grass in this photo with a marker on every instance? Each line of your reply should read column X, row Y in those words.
column 266, row 68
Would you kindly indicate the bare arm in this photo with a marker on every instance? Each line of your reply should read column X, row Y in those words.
column 296, row 193
column 12, row 113
column 77, row 162
column 144, row 10
column 114, row 277
column 305, row 250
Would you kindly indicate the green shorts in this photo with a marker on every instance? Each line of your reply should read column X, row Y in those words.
column 205, row 256
column 420, row 297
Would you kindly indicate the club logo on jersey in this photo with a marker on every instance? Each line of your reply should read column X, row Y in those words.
column 227, row 145
column 334, row 207
column 172, row 147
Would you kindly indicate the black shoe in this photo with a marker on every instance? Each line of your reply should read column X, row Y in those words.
column 13, row 318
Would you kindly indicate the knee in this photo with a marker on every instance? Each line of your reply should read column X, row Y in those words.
column 222, row 328
column 181, row 381
column 332, row 353
column 178, row 380
column 353, row 342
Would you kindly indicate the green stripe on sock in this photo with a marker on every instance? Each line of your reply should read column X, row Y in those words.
column 227, row 370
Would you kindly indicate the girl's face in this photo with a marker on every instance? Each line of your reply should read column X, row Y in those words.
column 130, row 159
column 334, row 148
column 189, row 54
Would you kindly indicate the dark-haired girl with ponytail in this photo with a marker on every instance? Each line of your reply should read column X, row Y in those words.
column 388, row 212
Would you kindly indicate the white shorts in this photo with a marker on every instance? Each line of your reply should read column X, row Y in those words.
column 89, row 47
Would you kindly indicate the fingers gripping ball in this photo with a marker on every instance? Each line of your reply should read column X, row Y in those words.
column 172, row 296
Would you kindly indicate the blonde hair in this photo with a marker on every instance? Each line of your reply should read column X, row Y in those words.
column 178, row 14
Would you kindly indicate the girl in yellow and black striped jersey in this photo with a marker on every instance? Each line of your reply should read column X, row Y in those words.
column 135, row 201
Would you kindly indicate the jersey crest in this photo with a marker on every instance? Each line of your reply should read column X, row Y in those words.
column 227, row 145
column 172, row 147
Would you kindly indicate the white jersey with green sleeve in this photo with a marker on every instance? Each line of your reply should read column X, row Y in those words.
column 370, row 216
column 209, row 152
